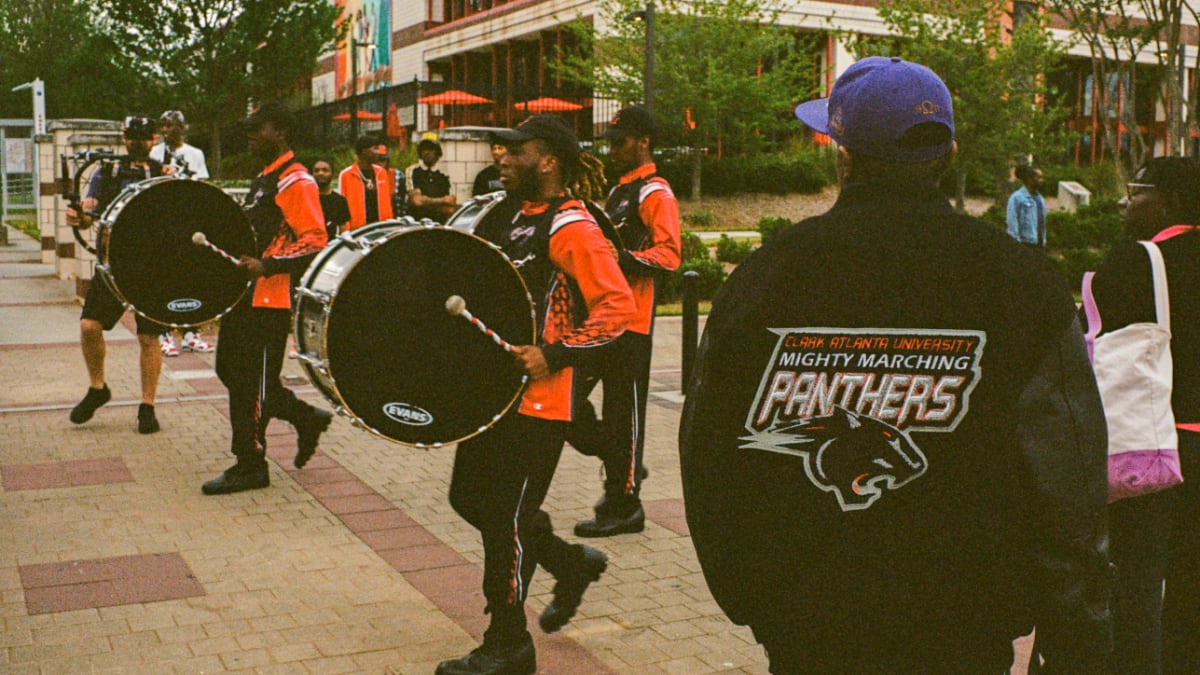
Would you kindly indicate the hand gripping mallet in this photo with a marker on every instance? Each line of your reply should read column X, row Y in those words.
column 457, row 306
column 199, row 239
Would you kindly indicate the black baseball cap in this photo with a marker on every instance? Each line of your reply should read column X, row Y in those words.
column 548, row 128
column 634, row 120
column 138, row 128
column 278, row 114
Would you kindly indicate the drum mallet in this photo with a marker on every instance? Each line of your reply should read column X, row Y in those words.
column 199, row 239
column 457, row 306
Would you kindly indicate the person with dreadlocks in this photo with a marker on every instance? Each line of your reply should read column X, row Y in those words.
column 501, row 476
column 644, row 211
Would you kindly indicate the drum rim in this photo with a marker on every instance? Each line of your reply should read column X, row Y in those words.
column 103, row 266
column 340, row 405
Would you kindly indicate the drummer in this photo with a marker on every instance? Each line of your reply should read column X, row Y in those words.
column 101, row 308
column 501, row 476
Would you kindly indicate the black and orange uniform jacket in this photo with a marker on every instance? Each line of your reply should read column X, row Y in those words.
column 354, row 188
column 646, row 214
column 290, row 233
column 582, row 299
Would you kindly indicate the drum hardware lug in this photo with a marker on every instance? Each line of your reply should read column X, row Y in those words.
column 306, row 293
column 313, row 361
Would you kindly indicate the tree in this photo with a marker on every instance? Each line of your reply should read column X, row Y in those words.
column 1116, row 32
column 726, row 75
column 1004, row 112
column 219, row 55
column 70, row 46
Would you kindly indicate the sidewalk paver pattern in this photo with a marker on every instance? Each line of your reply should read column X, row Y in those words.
column 111, row 561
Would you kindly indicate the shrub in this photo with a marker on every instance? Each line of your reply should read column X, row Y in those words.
column 692, row 247
column 770, row 226
column 701, row 218
column 806, row 171
column 712, row 275
column 731, row 250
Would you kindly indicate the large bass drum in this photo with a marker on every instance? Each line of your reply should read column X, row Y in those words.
column 374, row 336
column 148, row 258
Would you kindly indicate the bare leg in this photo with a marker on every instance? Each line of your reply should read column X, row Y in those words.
column 151, row 366
column 91, row 340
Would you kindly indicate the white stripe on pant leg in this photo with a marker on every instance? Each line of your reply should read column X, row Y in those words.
column 520, row 583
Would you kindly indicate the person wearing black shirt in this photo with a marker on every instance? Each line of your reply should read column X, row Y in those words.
column 430, row 196
column 488, row 179
column 102, row 309
column 337, row 212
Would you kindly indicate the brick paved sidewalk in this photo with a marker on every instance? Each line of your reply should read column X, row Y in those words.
column 112, row 561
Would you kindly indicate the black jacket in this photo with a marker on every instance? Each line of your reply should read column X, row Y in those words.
column 893, row 450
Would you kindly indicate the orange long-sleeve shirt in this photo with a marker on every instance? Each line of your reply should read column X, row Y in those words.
column 659, row 211
column 302, row 234
column 351, row 185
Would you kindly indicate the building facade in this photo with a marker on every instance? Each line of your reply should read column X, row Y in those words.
column 447, row 63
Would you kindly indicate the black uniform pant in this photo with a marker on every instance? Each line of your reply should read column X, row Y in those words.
column 499, row 482
column 249, row 359
column 619, row 437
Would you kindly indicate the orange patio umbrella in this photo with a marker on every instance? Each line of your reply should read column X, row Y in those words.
column 547, row 104
column 363, row 115
column 453, row 97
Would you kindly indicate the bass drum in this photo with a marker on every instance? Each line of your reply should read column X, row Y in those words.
column 149, row 260
column 490, row 207
column 374, row 336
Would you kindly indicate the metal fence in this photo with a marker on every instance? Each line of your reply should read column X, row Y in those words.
column 402, row 111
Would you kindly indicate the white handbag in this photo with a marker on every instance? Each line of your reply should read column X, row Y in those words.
column 1134, row 373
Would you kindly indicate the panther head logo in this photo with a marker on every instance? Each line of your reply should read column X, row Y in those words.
column 858, row 457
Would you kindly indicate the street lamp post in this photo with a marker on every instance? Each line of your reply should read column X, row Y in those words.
column 354, row 47
column 647, row 15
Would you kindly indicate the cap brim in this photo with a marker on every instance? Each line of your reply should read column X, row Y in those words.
column 815, row 114
column 615, row 134
column 509, row 136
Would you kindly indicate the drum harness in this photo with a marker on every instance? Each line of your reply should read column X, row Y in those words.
column 110, row 162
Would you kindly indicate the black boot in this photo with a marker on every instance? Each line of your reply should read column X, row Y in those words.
column 614, row 515
column 245, row 475
column 147, row 421
column 94, row 398
column 512, row 656
column 308, row 433
column 569, row 588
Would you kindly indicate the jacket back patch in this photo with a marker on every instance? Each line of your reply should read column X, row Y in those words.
column 845, row 401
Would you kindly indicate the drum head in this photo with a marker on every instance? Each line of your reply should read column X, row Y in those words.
column 153, row 263
column 404, row 366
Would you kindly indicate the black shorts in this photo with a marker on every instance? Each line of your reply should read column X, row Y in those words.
column 102, row 305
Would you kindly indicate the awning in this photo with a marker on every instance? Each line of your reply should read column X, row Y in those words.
column 547, row 104
column 453, row 97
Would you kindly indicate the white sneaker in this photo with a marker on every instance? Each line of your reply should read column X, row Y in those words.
column 192, row 342
column 166, row 341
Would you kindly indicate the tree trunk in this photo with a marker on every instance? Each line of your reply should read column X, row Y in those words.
column 696, row 165
column 215, row 171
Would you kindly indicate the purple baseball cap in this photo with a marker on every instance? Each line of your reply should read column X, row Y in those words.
column 886, row 108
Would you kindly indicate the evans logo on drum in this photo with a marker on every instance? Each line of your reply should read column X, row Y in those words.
column 406, row 413
column 184, row 305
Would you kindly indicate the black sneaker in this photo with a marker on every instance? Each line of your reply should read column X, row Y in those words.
column 308, row 434
column 93, row 399
column 516, row 658
column 239, row 478
column 568, row 589
column 607, row 523
column 147, row 422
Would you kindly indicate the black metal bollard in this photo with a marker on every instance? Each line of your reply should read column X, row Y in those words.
column 691, row 321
